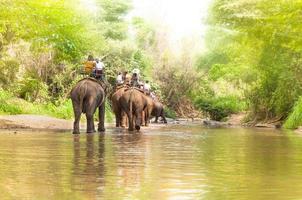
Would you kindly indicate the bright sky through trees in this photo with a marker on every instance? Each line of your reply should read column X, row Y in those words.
column 183, row 18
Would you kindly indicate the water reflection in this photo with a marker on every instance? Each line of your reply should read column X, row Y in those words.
column 174, row 162
column 88, row 164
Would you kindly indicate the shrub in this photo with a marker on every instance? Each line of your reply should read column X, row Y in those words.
column 8, row 72
column 6, row 107
column 170, row 113
column 295, row 118
column 32, row 88
column 220, row 107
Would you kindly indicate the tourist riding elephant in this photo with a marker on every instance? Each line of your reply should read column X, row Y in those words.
column 88, row 95
column 158, row 111
column 120, row 116
column 133, row 102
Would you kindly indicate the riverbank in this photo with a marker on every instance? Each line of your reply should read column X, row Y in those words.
column 43, row 122
column 30, row 121
column 25, row 121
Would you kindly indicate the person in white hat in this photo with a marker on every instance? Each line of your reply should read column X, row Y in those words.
column 135, row 78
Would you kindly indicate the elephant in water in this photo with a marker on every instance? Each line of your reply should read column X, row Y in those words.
column 158, row 111
column 133, row 103
column 148, row 110
column 88, row 95
column 120, row 116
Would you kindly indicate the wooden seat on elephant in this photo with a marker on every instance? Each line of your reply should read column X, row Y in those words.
column 135, row 88
column 95, row 80
column 121, row 86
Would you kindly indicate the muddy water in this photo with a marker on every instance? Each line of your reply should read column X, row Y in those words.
column 173, row 162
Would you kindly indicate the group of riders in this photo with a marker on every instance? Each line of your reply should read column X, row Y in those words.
column 96, row 68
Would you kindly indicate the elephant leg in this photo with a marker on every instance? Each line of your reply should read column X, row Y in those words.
column 144, row 123
column 128, row 115
column 138, row 120
column 123, row 120
column 147, row 116
column 90, row 122
column 130, row 119
column 118, row 116
column 117, row 120
column 77, row 116
column 156, row 119
column 163, row 116
column 101, row 125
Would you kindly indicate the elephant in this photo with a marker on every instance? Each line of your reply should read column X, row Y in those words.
column 88, row 95
column 120, row 116
column 158, row 111
column 146, row 114
column 133, row 102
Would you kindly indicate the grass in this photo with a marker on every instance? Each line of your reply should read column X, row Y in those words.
column 10, row 105
column 294, row 120
column 6, row 107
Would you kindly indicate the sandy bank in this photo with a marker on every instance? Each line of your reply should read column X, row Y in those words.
column 34, row 122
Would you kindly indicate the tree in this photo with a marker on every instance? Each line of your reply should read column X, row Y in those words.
column 262, row 50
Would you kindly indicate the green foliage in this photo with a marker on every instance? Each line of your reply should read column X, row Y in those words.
column 170, row 113
column 145, row 33
column 64, row 110
column 12, row 105
column 220, row 107
column 32, row 89
column 255, row 47
column 46, row 24
column 109, row 114
column 6, row 107
column 294, row 120
column 8, row 72
column 112, row 19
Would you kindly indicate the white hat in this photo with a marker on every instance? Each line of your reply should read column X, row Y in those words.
column 135, row 71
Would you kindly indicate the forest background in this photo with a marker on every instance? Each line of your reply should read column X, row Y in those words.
column 251, row 64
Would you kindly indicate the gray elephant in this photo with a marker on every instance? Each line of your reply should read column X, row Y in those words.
column 133, row 103
column 120, row 116
column 88, row 95
column 158, row 111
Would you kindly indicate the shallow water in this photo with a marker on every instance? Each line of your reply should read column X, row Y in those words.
column 172, row 162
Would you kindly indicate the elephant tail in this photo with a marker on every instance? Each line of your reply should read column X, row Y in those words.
column 130, row 103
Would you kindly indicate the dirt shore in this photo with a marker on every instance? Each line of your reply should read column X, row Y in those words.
column 45, row 122
column 34, row 122
column 50, row 123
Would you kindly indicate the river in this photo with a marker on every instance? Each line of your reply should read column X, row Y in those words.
column 169, row 162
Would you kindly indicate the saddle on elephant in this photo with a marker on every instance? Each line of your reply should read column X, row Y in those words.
column 105, row 85
column 136, row 88
column 118, row 87
column 121, row 86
